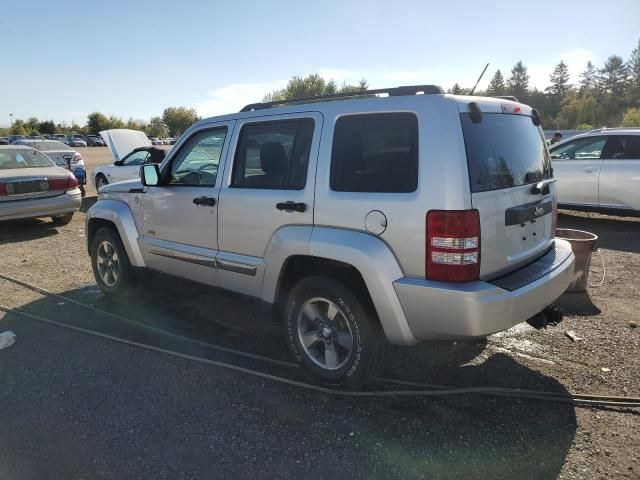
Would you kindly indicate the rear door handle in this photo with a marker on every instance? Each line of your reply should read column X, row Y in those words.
column 291, row 206
column 209, row 201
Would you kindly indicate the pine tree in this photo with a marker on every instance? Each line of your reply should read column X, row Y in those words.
column 518, row 82
column 614, row 76
column 588, row 78
column 496, row 85
column 559, row 82
column 457, row 90
column 634, row 68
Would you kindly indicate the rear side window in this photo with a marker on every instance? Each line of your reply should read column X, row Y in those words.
column 273, row 155
column 375, row 153
column 622, row 147
column 504, row 151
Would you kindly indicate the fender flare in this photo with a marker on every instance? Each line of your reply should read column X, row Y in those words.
column 367, row 253
column 118, row 213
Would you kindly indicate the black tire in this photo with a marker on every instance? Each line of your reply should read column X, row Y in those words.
column 123, row 285
column 368, row 341
column 62, row 220
column 101, row 181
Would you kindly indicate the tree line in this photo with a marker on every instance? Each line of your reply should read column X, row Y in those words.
column 606, row 96
column 172, row 122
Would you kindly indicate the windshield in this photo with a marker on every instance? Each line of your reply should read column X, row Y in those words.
column 23, row 158
column 504, row 151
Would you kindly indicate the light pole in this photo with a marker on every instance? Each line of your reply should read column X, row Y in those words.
column 11, row 120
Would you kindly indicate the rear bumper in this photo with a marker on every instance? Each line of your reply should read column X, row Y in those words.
column 447, row 311
column 42, row 207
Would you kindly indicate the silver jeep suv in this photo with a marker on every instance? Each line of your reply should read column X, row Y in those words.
column 411, row 217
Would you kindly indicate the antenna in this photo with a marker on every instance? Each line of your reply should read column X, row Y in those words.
column 479, row 78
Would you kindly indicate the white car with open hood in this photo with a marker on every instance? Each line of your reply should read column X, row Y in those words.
column 130, row 149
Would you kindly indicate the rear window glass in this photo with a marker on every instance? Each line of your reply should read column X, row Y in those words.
column 23, row 158
column 504, row 151
column 375, row 153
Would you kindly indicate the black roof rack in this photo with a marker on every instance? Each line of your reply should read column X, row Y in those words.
column 392, row 92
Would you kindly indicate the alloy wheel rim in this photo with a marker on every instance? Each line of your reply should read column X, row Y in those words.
column 325, row 333
column 108, row 263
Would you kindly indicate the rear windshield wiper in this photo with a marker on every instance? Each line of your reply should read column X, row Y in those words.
column 543, row 186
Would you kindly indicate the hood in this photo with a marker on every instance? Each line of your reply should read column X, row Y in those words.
column 121, row 187
column 122, row 141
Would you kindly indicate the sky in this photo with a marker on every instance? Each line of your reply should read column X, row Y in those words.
column 65, row 59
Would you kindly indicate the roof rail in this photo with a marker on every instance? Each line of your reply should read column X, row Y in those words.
column 507, row 97
column 392, row 92
column 612, row 128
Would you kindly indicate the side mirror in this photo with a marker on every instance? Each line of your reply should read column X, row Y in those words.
column 118, row 163
column 150, row 175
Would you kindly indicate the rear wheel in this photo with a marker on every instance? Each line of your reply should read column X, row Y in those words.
column 111, row 267
column 101, row 181
column 62, row 220
column 332, row 334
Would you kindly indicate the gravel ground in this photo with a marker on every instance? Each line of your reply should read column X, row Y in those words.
column 76, row 406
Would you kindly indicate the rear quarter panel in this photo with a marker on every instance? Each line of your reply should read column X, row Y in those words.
column 443, row 179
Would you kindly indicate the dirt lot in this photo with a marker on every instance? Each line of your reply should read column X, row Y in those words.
column 77, row 406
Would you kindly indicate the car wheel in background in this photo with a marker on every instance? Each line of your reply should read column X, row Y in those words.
column 332, row 334
column 62, row 220
column 111, row 267
column 101, row 181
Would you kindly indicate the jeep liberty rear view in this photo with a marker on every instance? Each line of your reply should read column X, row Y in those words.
column 356, row 221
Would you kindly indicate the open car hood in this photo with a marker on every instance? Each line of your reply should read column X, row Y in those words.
column 122, row 141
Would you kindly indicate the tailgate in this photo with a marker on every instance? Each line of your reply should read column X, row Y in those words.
column 511, row 187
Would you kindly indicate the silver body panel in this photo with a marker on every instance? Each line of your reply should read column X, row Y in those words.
column 243, row 242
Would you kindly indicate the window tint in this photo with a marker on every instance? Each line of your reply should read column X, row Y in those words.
column 197, row 162
column 621, row 147
column 375, row 153
column 581, row 149
column 136, row 158
column 504, row 151
column 273, row 155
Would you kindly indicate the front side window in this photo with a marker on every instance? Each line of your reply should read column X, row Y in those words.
column 136, row 158
column 273, row 155
column 197, row 162
column 375, row 153
column 581, row 149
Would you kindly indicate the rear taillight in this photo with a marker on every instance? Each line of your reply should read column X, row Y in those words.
column 3, row 190
column 453, row 245
column 62, row 183
column 554, row 217
column 73, row 182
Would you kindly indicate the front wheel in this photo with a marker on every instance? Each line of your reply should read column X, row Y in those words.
column 111, row 267
column 331, row 333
